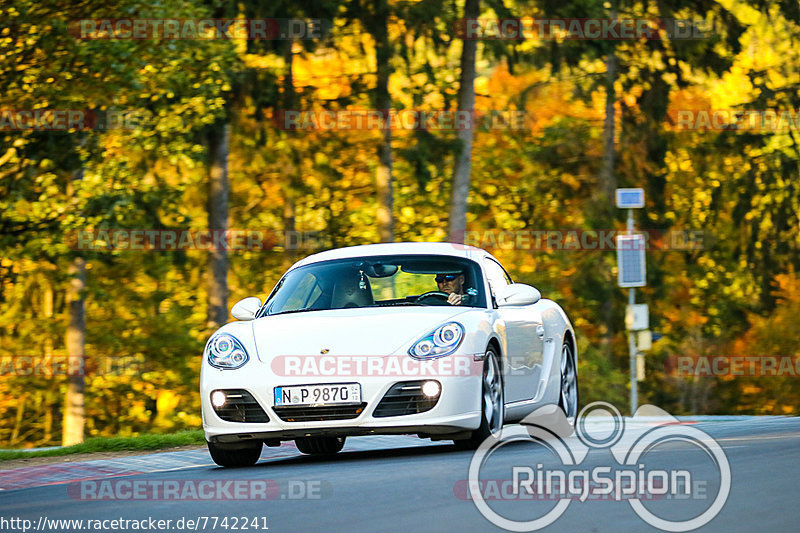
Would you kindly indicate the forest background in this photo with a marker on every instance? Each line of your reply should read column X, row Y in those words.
column 192, row 136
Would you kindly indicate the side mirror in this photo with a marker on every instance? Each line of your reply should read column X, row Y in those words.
column 246, row 309
column 518, row 294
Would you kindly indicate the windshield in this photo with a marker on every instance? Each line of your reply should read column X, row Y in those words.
column 380, row 281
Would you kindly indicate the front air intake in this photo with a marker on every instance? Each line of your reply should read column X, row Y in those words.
column 407, row 398
column 238, row 406
column 319, row 413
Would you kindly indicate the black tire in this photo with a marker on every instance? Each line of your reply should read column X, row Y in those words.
column 568, row 398
column 319, row 445
column 235, row 457
column 492, row 403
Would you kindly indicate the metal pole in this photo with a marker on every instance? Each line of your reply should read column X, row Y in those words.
column 632, row 350
column 631, row 339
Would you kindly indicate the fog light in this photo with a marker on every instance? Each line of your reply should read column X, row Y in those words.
column 218, row 398
column 431, row 389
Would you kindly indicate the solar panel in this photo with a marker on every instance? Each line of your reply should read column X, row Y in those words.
column 631, row 261
column 630, row 198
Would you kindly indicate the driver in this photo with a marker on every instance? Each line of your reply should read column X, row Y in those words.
column 453, row 286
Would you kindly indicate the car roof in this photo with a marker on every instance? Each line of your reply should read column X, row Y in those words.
column 397, row 248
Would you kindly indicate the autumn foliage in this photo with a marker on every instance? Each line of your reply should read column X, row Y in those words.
column 736, row 291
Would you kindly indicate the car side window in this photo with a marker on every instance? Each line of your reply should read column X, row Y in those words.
column 306, row 292
column 497, row 276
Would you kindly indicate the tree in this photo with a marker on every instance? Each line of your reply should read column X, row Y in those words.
column 75, row 344
column 463, row 160
column 375, row 17
column 50, row 180
column 218, row 148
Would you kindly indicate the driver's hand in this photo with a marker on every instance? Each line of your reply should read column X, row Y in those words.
column 454, row 299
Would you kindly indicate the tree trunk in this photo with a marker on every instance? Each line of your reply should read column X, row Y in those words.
column 290, row 238
column 463, row 162
column 608, row 181
column 72, row 430
column 218, row 223
column 383, row 177
column 17, row 421
column 48, row 309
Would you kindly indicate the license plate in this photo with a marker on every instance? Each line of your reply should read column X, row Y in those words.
column 342, row 393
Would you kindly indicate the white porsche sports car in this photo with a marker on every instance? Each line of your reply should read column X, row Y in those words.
column 431, row 339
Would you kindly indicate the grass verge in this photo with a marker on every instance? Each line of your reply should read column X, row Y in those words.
column 114, row 444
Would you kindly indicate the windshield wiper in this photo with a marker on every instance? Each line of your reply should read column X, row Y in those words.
column 293, row 311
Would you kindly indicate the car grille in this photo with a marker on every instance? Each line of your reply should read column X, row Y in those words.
column 319, row 413
column 240, row 406
column 405, row 398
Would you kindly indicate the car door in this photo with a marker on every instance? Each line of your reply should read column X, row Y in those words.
column 524, row 339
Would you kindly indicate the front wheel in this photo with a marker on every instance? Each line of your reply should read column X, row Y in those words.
column 319, row 445
column 492, row 403
column 235, row 457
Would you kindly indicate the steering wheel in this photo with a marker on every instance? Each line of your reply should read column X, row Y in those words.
column 432, row 294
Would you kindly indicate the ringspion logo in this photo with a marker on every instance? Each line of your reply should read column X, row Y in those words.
column 630, row 478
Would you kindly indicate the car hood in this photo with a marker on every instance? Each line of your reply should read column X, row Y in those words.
column 347, row 331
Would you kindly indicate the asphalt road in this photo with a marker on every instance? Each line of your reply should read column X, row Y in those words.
column 418, row 486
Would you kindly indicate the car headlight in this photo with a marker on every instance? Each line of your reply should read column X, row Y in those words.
column 442, row 341
column 226, row 352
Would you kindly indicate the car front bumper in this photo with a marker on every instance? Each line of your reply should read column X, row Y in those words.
column 458, row 409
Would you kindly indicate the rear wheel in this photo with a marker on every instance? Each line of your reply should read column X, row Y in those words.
column 319, row 445
column 492, row 403
column 568, row 397
column 235, row 457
